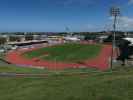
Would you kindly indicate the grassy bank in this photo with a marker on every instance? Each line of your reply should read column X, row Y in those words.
column 116, row 85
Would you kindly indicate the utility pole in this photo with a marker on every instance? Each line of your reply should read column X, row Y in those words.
column 115, row 12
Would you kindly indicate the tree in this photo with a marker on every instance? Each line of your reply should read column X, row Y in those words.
column 14, row 38
column 2, row 40
column 29, row 37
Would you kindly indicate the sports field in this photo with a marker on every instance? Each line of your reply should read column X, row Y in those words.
column 63, row 56
column 71, row 52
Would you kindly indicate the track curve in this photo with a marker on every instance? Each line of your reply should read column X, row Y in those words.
column 101, row 62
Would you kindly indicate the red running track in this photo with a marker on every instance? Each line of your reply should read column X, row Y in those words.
column 101, row 62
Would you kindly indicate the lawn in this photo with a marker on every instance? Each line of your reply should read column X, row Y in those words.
column 117, row 85
column 66, row 52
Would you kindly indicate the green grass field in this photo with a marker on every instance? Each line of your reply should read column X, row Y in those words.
column 66, row 52
column 93, row 86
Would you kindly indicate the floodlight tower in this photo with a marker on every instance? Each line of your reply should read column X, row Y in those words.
column 68, row 31
column 115, row 12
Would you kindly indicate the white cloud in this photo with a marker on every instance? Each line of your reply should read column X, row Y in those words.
column 124, row 23
column 130, row 2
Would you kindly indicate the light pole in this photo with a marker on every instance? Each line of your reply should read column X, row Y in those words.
column 68, row 31
column 115, row 12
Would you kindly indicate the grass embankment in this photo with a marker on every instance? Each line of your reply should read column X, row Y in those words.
column 94, row 86
column 66, row 52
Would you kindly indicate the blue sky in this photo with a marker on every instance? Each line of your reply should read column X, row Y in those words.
column 55, row 15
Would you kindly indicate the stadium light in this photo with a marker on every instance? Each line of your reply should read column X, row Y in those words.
column 115, row 12
column 68, row 31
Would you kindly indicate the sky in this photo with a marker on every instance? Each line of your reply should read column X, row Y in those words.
column 56, row 15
